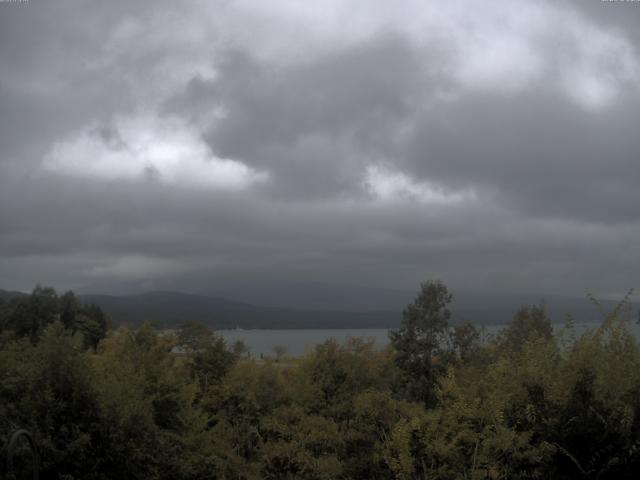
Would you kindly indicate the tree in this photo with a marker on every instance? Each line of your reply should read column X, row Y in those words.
column 4, row 318
column 419, row 341
column 47, row 389
column 209, row 359
column 240, row 348
column 528, row 322
column 280, row 351
column 68, row 309
column 29, row 315
column 466, row 340
column 92, row 323
column 194, row 336
column 212, row 362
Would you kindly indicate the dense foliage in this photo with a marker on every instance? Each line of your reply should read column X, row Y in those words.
column 440, row 402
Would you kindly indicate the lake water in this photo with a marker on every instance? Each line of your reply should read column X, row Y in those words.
column 298, row 342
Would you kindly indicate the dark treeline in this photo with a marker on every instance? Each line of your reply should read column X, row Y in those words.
column 440, row 402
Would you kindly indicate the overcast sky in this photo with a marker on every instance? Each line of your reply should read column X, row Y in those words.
column 201, row 145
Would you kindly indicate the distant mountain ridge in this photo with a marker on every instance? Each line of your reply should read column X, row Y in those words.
column 7, row 295
column 168, row 308
column 171, row 308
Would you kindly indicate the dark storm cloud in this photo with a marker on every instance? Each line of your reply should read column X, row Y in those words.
column 313, row 124
column 543, row 155
column 243, row 144
column 614, row 15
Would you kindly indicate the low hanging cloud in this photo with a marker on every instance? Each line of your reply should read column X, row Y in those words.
column 393, row 186
column 136, row 267
column 148, row 149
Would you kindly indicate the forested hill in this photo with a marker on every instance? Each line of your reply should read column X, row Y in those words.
column 8, row 294
column 171, row 308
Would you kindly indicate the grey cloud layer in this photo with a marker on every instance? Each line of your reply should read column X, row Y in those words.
column 537, row 117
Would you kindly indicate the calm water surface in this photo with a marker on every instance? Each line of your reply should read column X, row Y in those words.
column 298, row 342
